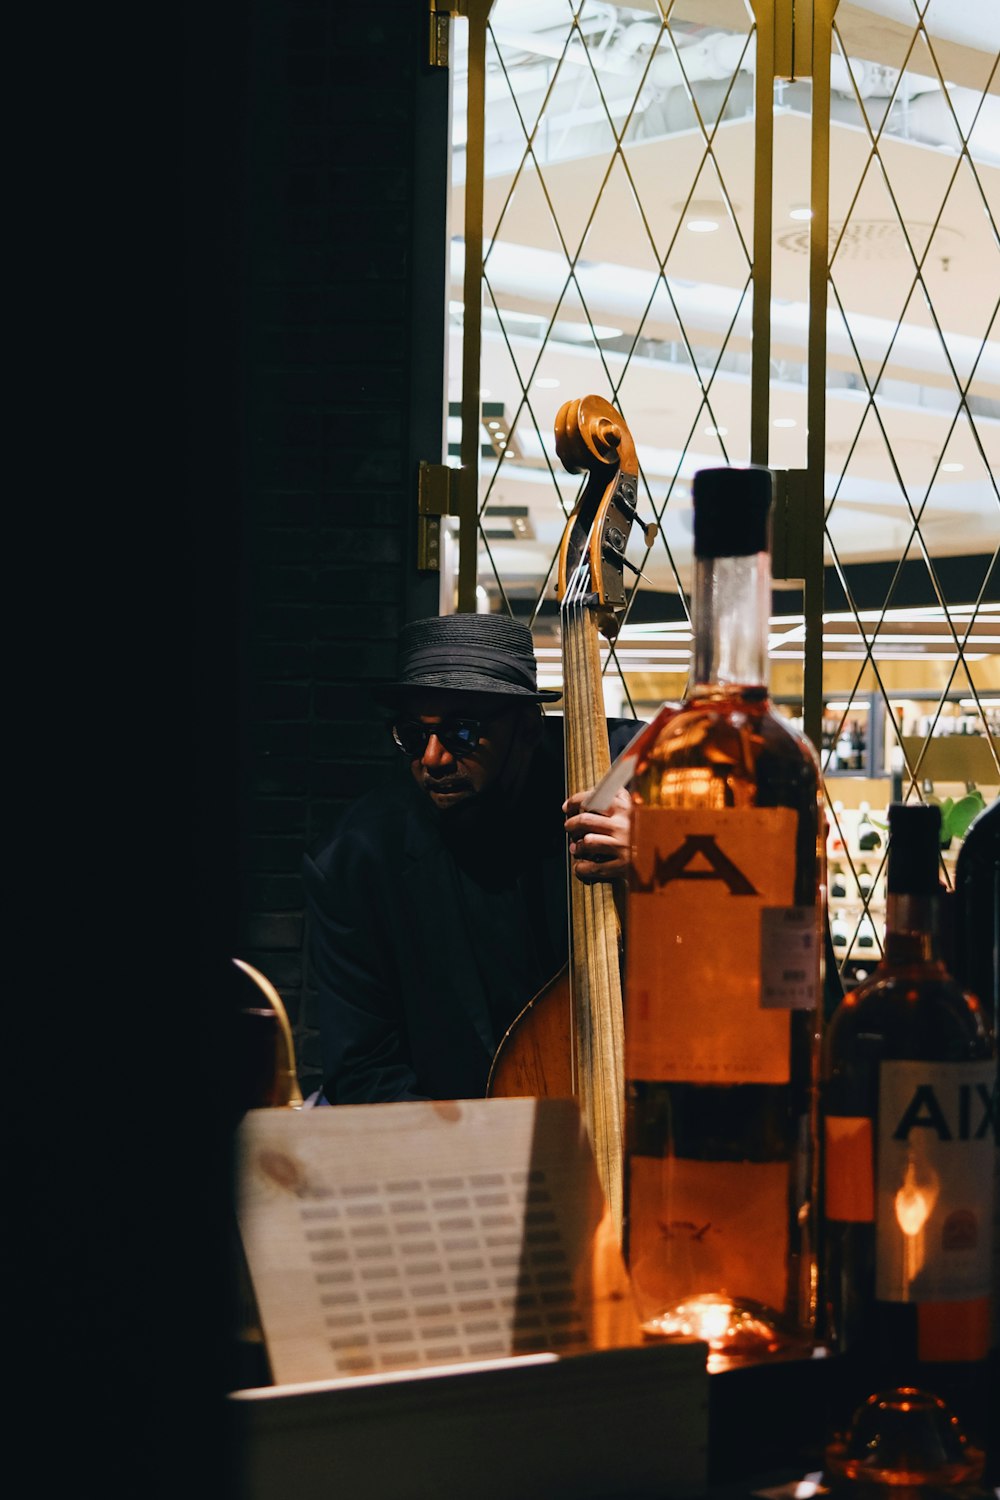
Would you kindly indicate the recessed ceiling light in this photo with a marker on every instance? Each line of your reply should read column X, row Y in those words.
column 716, row 431
column 801, row 212
column 493, row 426
column 702, row 226
column 784, row 422
column 543, row 383
column 952, row 468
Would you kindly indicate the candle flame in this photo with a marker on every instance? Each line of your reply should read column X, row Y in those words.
column 712, row 1322
column 915, row 1200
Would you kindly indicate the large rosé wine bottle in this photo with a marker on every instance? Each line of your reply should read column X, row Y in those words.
column 723, row 995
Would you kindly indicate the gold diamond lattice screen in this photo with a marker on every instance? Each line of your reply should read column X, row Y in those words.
column 912, row 413
column 610, row 132
column 618, row 233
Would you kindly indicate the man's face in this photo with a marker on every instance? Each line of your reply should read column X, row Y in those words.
column 450, row 774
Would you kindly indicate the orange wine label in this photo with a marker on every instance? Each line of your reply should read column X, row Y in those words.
column 707, row 1226
column 702, row 878
column 849, row 1193
column 954, row 1330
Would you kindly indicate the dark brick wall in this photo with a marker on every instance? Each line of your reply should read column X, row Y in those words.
column 345, row 260
column 237, row 324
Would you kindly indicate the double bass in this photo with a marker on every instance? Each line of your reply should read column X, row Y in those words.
column 568, row 1040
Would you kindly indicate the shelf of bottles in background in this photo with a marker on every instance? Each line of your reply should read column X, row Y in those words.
column 856, row 878
column 725, row 935
column 909, row 1121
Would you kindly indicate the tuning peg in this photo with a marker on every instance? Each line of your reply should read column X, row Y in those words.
column 649, row 530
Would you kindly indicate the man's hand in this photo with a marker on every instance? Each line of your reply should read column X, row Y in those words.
column 600, row 844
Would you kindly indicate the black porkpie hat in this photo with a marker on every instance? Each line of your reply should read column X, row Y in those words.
column 466, row 653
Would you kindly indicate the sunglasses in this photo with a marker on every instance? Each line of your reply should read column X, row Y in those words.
column 458, row 736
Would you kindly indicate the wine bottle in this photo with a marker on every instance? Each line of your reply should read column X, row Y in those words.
column 840, row 932
column 865, row 936
column 975, row 937
column 868, row 836
column 909, row 1119
column 725, row 938
column 835, row 848
column 976, row 912
column 833, row 985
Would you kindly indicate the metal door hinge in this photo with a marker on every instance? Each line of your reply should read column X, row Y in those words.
column 476, row 12
column 440, row 33
column 437, row 496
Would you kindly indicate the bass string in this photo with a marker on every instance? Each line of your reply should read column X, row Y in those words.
column 580, row 1005
column 597, row 980
column 597, row 983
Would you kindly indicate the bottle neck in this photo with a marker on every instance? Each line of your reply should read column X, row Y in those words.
column 732, row 607
column 910, row 925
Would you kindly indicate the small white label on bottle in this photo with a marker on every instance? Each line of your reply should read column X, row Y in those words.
column 789, row 958
column 934, row 1187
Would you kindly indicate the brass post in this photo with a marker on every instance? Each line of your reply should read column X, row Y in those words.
column 765, row 15
column 822, row 12
column 477, row 13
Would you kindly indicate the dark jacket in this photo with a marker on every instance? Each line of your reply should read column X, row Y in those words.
column 431, row 933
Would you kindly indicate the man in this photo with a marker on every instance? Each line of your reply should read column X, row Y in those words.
column 439, row 908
